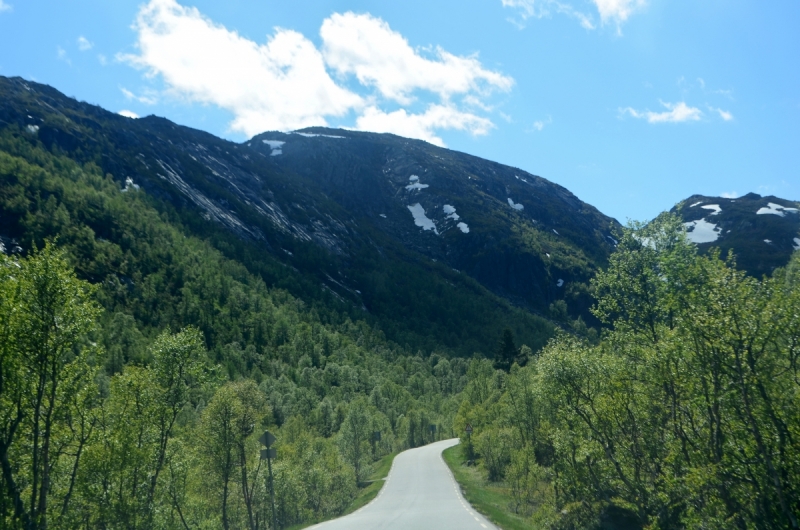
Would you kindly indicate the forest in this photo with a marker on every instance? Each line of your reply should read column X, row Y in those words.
column 686, row 414
column 139, row 364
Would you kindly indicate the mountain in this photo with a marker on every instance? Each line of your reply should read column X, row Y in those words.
column 761, row 231
column 518, row 234
column 436, row 248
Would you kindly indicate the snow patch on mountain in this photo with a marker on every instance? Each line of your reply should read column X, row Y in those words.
column 701, row 231
column 559, row 283
column 450, row 212
column 796, row 245
column 415, row 184
column 463, row 227
column 312, row 135
column 714, row 207
column 516, row 206
column 695, row 204
column 775, row 209
column 422, row 220
column 275, row 147
column 129, row 184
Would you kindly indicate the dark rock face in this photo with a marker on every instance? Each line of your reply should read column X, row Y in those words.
column 494, row 222
column 761, row 231
column 347, row 194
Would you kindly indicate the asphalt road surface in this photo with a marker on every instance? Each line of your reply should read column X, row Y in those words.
column 420, row 493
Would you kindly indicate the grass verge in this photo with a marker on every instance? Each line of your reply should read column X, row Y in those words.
column 366, row 492
column 492, row 500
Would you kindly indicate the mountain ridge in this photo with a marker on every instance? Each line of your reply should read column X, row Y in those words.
column 762, row 232
column 385, row 224
column 284, row 220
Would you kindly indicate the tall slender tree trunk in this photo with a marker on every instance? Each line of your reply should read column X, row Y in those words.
column 48, row 431
column 225, row 504
column 8, row 476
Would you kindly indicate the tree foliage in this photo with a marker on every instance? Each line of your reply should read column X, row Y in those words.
column 162, row 335
column 45, row 381
column 685, row 415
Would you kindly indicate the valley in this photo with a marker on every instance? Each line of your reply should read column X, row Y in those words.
column 168, row 295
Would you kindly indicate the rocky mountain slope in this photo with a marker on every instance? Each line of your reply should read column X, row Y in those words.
column 761, row 231
column 440, row 248
column 520, row 235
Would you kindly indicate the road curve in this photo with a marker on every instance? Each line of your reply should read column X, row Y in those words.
column 420, row 493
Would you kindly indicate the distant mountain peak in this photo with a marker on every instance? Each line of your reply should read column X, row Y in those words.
column 762, row 231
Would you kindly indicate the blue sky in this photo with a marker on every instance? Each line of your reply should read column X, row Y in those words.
column 632, row 105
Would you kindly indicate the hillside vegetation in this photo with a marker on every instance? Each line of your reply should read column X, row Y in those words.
column 284, row 227
column 139, row 365
column 685, row 415
column 145, row 344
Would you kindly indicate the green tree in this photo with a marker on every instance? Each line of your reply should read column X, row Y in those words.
column 354, row 437
column 218, row 432
column 178, row 367
column 46, row 314
column 228, row 430
column 685, row 415
column 506, row 352
column 134, row 430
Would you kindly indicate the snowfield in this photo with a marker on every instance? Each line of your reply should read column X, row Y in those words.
column 516, row 206
column 775, row 209
column 275, row 147
column 701, row 231
column 422, row 220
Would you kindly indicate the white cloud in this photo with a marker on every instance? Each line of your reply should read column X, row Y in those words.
column 84, row 44
column 282, row 84
column 725, row 93
column 103, row 59
column 128, row 114
column 423, row 126
column 62, row 55
column 538, row 125
column 675, row 113
column 724, row 114
column 474, row 101
column 285, row 83
column 149, row 97
column 729, row 194
column 4, row 6
column 368, row 48
column 544, row 8
column 617, row 10
column 528, row 8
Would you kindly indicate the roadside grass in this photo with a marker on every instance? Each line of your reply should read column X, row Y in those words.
column 492, row 500
column 366, row 491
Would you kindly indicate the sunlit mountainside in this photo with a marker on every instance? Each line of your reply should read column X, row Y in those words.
column 444, row 249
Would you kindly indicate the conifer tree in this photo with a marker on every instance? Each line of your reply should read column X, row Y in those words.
column 506, row 351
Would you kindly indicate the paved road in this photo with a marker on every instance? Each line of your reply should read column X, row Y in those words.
column 420, row 493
